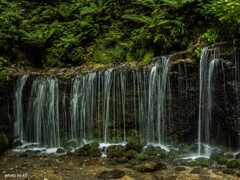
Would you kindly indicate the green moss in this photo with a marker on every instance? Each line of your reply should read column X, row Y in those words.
column 183, row 149
column 136, row 146
column 114, row 152
column 196, row 171
column 60, row 151
column 122, row 159
column 237, row 156
column 216, row 154
column 130, row 154
column 86, row 146
column 95, row 152
column 193, row 148
column 173, row 153
column 179, row 168
column 193, row 163
column 81, row 152
column 143, row 157
column 222, row 161
column 68, row 152
column 95, row 145
column 233, row 164
column 228, row 156
column 228, row 171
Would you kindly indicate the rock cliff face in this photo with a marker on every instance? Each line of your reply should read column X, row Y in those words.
column 126, row 102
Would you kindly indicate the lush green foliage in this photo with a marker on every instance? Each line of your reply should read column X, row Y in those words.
column 56, row 33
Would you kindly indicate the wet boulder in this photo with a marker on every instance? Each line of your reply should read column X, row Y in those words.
column 130, row 154
column 136, row 146
column 114, row 151
column 122, row 159
column 151, row 167
column 17, row 143
column 81, row 152
column 216, row 153
column 60, row 151
column 233, row 164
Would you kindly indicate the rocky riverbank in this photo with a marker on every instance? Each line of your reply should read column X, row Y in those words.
column 33, row 165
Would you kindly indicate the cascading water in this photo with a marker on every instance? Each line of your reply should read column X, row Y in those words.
column 18, row 106
column 96, row 107
column 42, row 121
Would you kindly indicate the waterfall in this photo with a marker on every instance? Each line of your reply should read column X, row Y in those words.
column 18, row 106
column 42, row 124
column 207, row 73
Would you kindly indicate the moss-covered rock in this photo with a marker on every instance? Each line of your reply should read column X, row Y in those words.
column 205, row 162
column 216, row 154
column 228, row 171
column 114, row 152
column 237, row 156
column 70, row 144
column 130, row 154
column 95, row 145
column 17, row 143
column 95, row 152
column 222, row 161
column 172, row 154
column 151, row 167
column 86, row 147
column 68, row 152
column 196, row 171
column 228, row 156
column 136, row 146
column 193, row 148
column 133, row 161
column 81, row 152
column 233, row 163
column 122, row 159
column 60, row 151
column 143, row 157
column 179, row 168
column 183, row 149
column 193, row 163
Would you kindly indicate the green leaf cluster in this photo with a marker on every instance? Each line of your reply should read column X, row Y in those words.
column 57, row 32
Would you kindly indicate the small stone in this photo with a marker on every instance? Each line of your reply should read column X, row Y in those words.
column 179, row 168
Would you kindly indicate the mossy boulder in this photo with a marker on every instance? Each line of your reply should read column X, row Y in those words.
column 237, row 156
column 193, row 163
column 136, row 146
column 205, row 162
column 151, row 167
column 130, row 154
column 172, row 154
column 228, row 156
column 114, row 151
column 228, row 171
column 70, row 144
column 143, row 157
column 183, row 149
column 95, row 152
column 233, row 164
column 95, row 145
column 81, row 152
column 86, row 147
column 179, row 168
column 196, row 171
column 222, row 161
column 4, row 142
column 122, row 159
column 193, row 148
column 216, row 154
column 17, row 143
column 60, row 151
column 68, row 152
